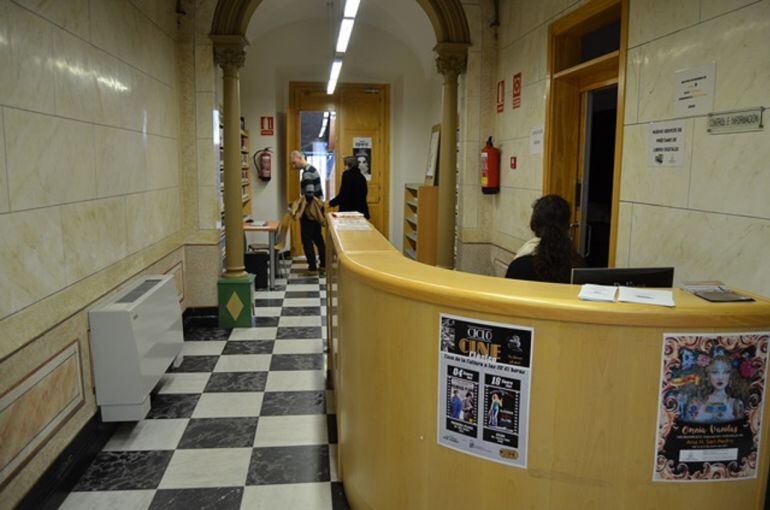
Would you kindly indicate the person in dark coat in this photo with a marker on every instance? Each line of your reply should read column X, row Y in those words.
column 353, row 189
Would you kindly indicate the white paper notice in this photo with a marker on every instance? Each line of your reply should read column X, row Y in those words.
column 646, row 296
column 666, row 143
column 591, row 292
column 694, row 89
column 536, row 141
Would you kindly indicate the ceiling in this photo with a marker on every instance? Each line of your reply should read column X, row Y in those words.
column 404, row 20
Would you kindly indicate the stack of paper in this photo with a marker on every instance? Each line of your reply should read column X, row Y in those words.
column 606, row 293
column 348, row 214
column 590, row 292
column 646, row 296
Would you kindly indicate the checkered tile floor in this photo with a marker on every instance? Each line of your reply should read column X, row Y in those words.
column 245, row 422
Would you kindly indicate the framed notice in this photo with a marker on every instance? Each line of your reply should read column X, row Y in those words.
column 431, row 169
column 362, row 151
column 712, row 391
column 483, row 388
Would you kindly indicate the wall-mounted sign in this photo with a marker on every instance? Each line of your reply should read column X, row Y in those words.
column 666, row 143
column 362, row 150
column 516, row 90
column 694, row 89
column 500, row 96
column 736, row 121
column 536, row 141
column 483, row 388
column 712, row 391
column 513, row 162
column 266, row 127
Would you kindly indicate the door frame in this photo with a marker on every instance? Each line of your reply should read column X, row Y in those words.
column 320, row 101
column 567, row 80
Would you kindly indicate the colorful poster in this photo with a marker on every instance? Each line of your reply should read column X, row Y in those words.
column 712, row 390
column 484, row 380
column 362, row 151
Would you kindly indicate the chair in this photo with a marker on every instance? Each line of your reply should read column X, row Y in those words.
column 281, row 252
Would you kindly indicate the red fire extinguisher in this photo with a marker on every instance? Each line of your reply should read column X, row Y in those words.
column 490, row 169
column 263, row 161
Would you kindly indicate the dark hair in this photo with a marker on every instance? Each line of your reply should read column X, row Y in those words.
column 555, row 255
column 351, row 162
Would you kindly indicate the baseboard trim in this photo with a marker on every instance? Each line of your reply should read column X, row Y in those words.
column 51, row 489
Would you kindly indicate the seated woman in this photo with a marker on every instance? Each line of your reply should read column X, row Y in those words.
column 353, row 189
column 550, row 256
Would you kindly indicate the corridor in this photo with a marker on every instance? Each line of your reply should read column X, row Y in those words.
column 245, row 422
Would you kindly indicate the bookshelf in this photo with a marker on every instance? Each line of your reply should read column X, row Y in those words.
column 420, row 217
column 245, row 180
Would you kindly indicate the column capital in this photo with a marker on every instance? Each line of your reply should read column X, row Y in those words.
column 229, row 51
column 452, row 58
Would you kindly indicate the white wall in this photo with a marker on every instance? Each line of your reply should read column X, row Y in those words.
column 301, row 51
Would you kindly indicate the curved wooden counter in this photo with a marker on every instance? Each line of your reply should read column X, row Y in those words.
column 593, row 401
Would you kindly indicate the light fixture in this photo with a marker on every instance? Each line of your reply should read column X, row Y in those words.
column 334, row 75
column 346, row 29
column 351, row 8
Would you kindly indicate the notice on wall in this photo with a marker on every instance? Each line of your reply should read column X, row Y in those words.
column 500, row 96
column 712, row 391
column 266, row 126
column 362, row 151
column 694, row 89
column 666, row 143
column 516, row 90
column 483, row 388
column 536, row 141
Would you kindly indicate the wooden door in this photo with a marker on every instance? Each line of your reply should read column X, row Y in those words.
column 363, row 113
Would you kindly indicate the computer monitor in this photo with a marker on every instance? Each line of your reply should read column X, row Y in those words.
column 627, row 276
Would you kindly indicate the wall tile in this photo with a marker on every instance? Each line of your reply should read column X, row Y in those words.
column 475, row 25
column 116, row 28
column 75, row 77
column 737, row 42
column 702, row 246
column 731, row 172
column 712, row 8
column 633, row 65
column 207, row 171
column 472, row 78
column 526, row 56
column 623, row 250
column 28, row 274
column 208, row 207
column 513, row 210
column 141, row 224
column 94, row 235
column 117, row 88
column 641, row 183
column 121, row 161
column 162, row 163
column 204, row 102
column 161, row 12
column 204, row 14
column 27, row 78
column 71, row 15
column 532, row 15
column 204, row 68
column 50, row 160
column 529, row 167
column 4, row 206
column 469, row 205
column 650, row 19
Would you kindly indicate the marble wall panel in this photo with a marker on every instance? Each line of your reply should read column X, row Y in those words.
column 204, row 68
column 162, row 162
column 75, row 76
column 513, row 209
column 651, row 19
column 529, row 167
column 121, row 161
column 469, row 206
column 50, row 160
column 26, row 42
column 712, row 8
column 4, row 198
column 623, row 251
column 71, row 15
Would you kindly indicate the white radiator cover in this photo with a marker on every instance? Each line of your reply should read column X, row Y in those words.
column 135, row 336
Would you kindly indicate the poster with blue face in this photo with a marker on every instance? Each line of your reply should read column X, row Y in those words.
column 712, row 391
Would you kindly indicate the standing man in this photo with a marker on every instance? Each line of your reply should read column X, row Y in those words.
column 310, row 222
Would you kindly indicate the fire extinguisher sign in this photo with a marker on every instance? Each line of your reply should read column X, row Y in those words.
column 500, row 96
column 266, row 126
column 516, row 90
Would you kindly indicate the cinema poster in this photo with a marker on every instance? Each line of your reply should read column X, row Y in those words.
column 712, row 392
column 483, row 389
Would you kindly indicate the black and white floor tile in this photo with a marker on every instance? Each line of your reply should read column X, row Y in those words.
column 245, row 422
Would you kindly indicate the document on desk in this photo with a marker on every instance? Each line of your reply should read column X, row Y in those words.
column 591, row 292
column 646, row 296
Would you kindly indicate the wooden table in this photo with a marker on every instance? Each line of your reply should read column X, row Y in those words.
column 271, row 227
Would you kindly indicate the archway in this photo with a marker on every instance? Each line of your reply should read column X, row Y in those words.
column 229, row 25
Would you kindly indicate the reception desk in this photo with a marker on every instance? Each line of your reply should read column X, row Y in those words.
column 593, row 402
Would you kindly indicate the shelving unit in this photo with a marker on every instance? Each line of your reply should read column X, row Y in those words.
column 420, row 217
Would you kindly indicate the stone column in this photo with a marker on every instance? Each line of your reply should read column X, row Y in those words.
column 236, row 289
column 451, row 62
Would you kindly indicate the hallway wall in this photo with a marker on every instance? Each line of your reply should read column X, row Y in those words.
column 280, row 56
column 89, row 198
column 717, row 220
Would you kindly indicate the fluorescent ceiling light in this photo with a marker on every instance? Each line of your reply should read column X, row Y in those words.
column 346, row 29
column 351, row 8
column 334, row 75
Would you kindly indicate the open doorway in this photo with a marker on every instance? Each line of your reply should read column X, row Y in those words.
column 317, row 141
